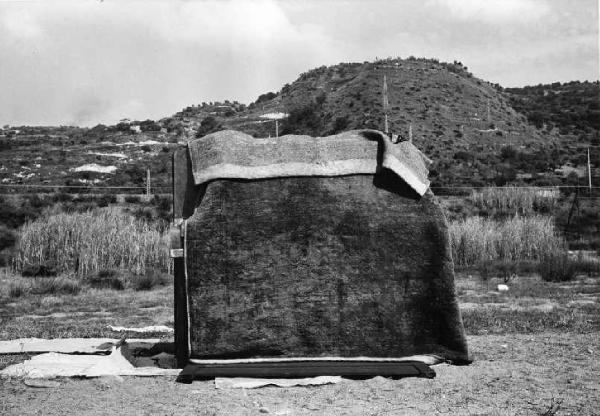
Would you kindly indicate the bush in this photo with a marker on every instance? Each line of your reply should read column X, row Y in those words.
column 62, row 197
column 132, row 199
column 208, row 125
column 340, row 124
column 17, row 289
column 303, row 120
column 586, row 265
column 105, row 200
column 149, row 125
column 504, row 269
column 7, row 237
column 13, row 216
column 106, row 279
column 149, row 280
column 556, row 267
column 57, row 286
column 44, row 269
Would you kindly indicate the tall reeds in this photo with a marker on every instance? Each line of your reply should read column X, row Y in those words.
column 87, row 242
column 478, row 239
column 512, row 200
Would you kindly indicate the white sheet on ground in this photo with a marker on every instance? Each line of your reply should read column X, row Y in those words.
column 253, row 383
column 64, row 345
column 52, row 365
column 145, row 329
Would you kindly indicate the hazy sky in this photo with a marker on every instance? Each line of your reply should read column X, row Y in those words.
column 84, row 62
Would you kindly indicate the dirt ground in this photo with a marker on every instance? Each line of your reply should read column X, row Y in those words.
column 513, row 374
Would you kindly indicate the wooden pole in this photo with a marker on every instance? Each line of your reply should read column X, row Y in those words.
column 387, row 130
column 386, row 104
column 589, row 171
column 276, row 128
column 148, row 182
column 410, row 133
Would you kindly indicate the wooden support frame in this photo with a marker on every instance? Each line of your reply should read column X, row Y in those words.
column 304, row 368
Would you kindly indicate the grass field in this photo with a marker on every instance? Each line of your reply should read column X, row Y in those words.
column 530, row 306
column 535, row 350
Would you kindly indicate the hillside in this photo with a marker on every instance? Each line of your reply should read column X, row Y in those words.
column 572, row 108
column 476, row 133
column 466, row 125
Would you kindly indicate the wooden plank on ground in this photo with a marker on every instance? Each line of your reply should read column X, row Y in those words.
column 296, row 369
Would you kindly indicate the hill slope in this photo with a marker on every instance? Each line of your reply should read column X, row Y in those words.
column 461, row 122
column 476, row 133
column 573, row 107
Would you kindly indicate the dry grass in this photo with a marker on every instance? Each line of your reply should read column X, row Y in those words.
column 477, row 239
column 510, row 200
column 84, row 243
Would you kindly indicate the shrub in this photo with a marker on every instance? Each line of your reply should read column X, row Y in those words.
column 106, row 279
column 149, row 280
column 91, row 241
column 7, row 237
column 62, row 197
column 55, row 286
column 208, row 125
column 144, row 214
column 132, row 199
column 340, row 124
column 43, row 269
column 303, row 120
column 13, row 216
column 556, row 267
column 105, row 200
column 17, row 289
column 588, row 265
column 504, row 269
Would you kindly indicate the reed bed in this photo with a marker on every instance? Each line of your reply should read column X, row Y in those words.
column 518, row 238
column 84, row 243
column 511, row 200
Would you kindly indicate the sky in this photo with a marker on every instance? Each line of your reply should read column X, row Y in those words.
column 84, row 62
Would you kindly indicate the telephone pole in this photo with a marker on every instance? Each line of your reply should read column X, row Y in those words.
column 386, row 104
column 148, row 183
column 589, row 171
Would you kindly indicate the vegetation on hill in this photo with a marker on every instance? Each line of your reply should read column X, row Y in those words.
column 572, row 107
column 477, row 133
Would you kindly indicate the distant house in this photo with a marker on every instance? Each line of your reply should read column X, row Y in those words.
column 568, row 168
column 135, row 128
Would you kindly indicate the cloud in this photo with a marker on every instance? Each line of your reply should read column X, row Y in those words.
column 20, row 24
column 86, row 62
column 495, row 11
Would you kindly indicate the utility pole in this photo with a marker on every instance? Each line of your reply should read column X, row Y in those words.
column 410, row 133
column 386, row 104
column 276, row 128
column 589, row 171
column 148, row 183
